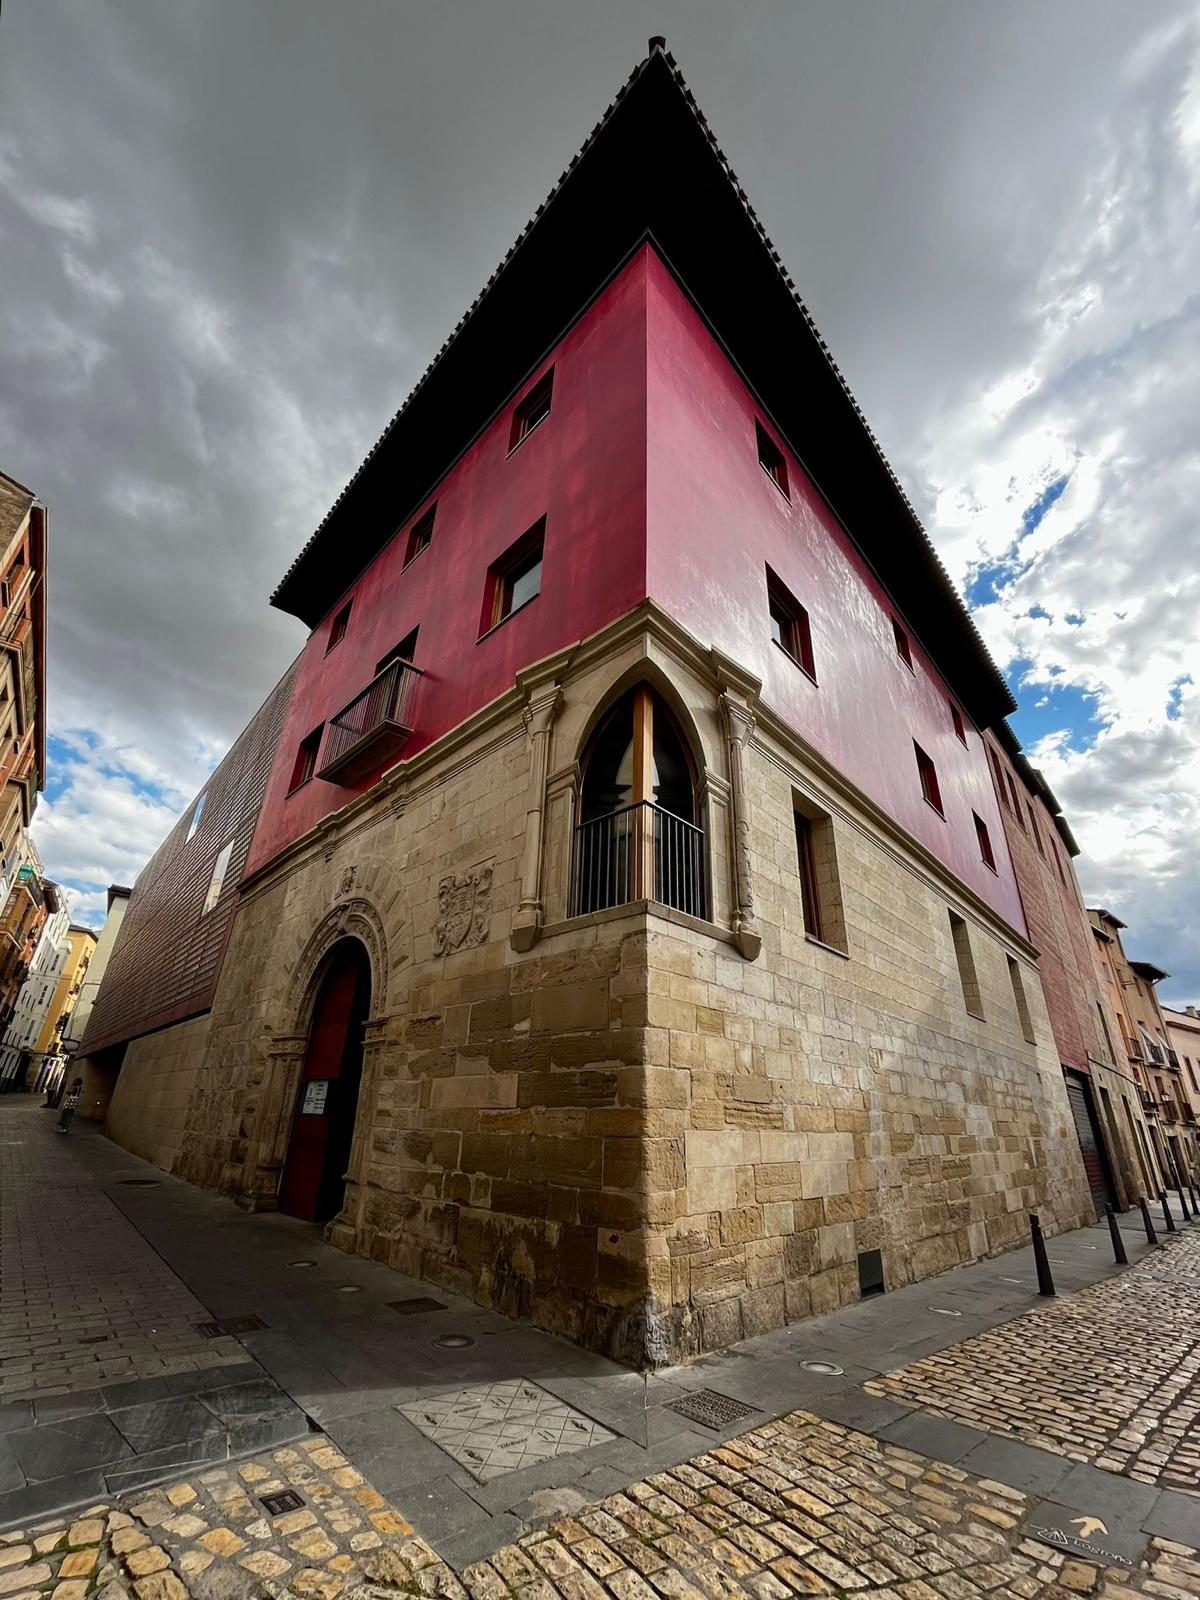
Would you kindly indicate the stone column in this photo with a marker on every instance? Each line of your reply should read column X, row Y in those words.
column 739, row 725
column 273, row 1122
column 540, row 712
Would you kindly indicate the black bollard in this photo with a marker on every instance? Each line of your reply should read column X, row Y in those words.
column 1183, row 1205
column 1151, row 1236
column 1118, row 1243
column 1195, row 1202
column 1167, row 1217
column 1045, row 1281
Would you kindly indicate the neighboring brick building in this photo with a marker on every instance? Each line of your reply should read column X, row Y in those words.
column 631, row 809
column 1154, row 1065
column 1106, row 1098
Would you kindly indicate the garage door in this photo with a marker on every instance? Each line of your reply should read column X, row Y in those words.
column 1089, row 1143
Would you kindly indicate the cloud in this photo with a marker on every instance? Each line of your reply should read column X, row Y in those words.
column 233, row 238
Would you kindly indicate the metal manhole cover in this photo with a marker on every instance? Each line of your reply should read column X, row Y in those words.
column 277, row 1504
column 140, row 1183
column 249, row 1324
column 229, row 1325
column 419, row 1303
column 827, row 1369
column 712, row 1410
column 453, row 1341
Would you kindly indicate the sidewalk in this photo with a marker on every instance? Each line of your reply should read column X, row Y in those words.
column 547, row 1429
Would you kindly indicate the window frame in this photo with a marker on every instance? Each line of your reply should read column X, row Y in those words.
column 216, row 882
column 984, row 838
column 931, row 789
column 422, row 531
column 964, row 957
column 339, row 626
column 197, row 812
column 903, row 643
column 520, row 558
column 304, row 768
column 960, row 727
column 806, row 864
column 797, row 625
column 398, row 652
column 522, row 427
column 772, row 460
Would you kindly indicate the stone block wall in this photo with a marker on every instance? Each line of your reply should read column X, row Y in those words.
column 148, row 1112
column 650, row 1133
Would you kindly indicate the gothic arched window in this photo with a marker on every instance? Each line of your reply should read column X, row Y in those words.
column 640, row 835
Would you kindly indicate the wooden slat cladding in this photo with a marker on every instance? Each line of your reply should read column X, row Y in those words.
column 168, row 953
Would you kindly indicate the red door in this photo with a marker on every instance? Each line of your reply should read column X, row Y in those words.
column 312, row 1184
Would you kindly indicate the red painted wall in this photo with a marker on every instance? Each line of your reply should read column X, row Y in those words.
column 715, row 522
column 1058, row 924
column 583, row 469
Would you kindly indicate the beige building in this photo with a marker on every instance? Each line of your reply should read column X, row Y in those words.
column 1183, row 1039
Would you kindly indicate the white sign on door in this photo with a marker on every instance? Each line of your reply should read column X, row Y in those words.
column 315, row 1094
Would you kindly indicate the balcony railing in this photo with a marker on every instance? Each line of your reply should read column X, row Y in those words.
column 1149, row 1103
column 1173, row 1059
column 373, row 727
column 640, row 853
column 1189, row 1114
column 1170, row 1109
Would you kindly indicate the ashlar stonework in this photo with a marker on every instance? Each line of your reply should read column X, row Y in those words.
column 653, row 1133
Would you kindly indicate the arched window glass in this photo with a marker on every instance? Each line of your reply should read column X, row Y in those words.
column 639, row 836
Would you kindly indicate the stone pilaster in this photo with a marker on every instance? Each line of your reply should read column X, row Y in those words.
column 738, row 721
column 540, row 711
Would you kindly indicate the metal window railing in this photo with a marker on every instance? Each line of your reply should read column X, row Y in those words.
column 387, row 699
column 639, row 853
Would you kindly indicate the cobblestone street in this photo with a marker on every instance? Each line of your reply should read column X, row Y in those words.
column 1108, row 1375
column 1050, row 1452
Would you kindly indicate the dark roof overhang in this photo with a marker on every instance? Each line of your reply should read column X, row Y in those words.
column 1147, row 970
column 651, row 169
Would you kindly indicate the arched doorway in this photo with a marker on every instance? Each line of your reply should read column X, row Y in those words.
column 313, row 1184
column 640, row 835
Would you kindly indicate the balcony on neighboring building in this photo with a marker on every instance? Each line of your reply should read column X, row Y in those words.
column 372, row 729
column 1189, row 1114
column 1149, row 1103
column 1170, row 1108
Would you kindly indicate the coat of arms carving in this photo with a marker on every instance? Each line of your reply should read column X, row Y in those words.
column 346, row 881
column 464, row 910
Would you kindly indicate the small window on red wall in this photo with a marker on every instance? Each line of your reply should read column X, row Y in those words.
column 789, row 625
column 771, row 460
column 306, row 758
column 532, row 410
column 985, row 841
column 337, row 628
column 960, row 726
column 420, row 536
column 903, row 648
column 929, row 783
column 515, row 579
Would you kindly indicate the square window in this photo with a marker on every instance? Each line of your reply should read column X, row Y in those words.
column 306, row 758
column 1033, row 828
column 1016, row 804
column 406, row 650
column 985, row 841
column 929, row 783
column 770, row 459
column 535, row 408
column 337, row 628
column 516, row 578
column 789, row 625
column 903, row 648
column 870, row 1273
column 419, row 536
column 959, row 725
column 999, row 772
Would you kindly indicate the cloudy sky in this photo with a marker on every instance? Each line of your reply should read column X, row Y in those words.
column 232, row 233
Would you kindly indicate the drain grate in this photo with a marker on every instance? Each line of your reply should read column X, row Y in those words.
column 712, row 1410
column 139, row 1183
column 419, row 1303
column 229, row 1325
column 277, row 1504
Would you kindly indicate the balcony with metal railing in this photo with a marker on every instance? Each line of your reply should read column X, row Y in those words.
column 373, row 728
column 640, row 852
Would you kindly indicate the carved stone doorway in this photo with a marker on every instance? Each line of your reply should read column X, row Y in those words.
column 313, row 1184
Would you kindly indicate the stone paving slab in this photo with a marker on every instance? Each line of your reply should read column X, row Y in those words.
column 798, row 1506
column 1109, row 1376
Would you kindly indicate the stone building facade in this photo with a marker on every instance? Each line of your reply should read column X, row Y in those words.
column 626, row 936
column 651, row 1132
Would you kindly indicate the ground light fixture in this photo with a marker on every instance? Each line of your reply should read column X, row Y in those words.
column 302, row 1263
column 945, row 1311
column 452, row 1341
column 827, row 1369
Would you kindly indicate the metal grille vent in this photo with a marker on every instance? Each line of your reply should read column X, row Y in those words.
column 139, row 1183
column 230, row 1325
column 285, row 1500
column 419, row 1303
column 712, row 1410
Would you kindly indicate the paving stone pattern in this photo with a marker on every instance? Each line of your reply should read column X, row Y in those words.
column 493, row 1428
column 87, row 1302
column 799, row 1506
column 1109, row 1376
